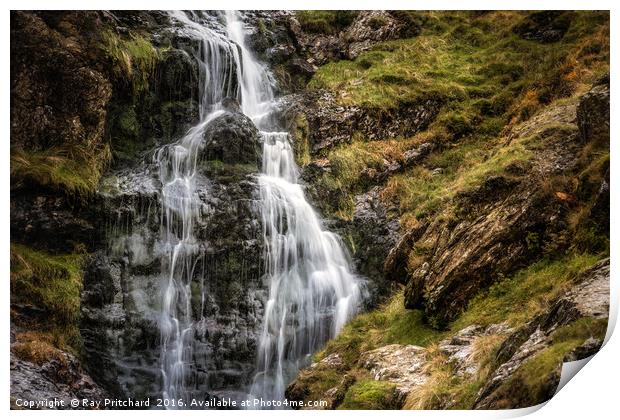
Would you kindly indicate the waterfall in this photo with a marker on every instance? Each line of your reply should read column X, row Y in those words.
column 218, row 60
column 312, row 290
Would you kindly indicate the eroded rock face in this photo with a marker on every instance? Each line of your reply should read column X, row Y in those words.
column 122, row 284
column 490, row 235
column 331, row 124
column 588, row 298
column 57, row 93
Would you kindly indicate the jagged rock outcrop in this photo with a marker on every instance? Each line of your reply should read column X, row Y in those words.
column 495, row 221
column 331, row 123
column 588, row 298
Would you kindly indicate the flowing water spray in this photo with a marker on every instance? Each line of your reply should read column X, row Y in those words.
column 218, row 60
column 312, row 291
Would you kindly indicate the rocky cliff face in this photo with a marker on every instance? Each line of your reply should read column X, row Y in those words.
column 469, row 179
column 149, row 97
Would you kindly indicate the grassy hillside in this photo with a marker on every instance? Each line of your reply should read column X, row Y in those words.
column 490, row 78
column 487, row 77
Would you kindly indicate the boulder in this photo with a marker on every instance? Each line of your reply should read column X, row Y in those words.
column 232, row 138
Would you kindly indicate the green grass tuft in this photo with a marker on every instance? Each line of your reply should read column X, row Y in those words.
column 390, row 324
column 133, row 58
column 325, row 21
column 52, row 283
column 369, row 395
column 72, row 169
column 518, row 298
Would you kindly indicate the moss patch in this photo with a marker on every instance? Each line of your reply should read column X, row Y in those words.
column 369, row 395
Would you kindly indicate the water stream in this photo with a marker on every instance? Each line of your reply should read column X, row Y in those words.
column 312, row 290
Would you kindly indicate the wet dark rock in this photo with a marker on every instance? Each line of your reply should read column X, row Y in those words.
column 374, row 232
column 231, row 105
column 600, row 210
column 120, row 322
column 273, row 36
column 72, row 108
column 178, row 76
column 232, row 138
column 50, row 222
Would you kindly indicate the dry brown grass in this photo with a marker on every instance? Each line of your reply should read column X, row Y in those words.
column 37, row 347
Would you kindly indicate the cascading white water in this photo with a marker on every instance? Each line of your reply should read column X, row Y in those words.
column 312, row 291
column 218, row 60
